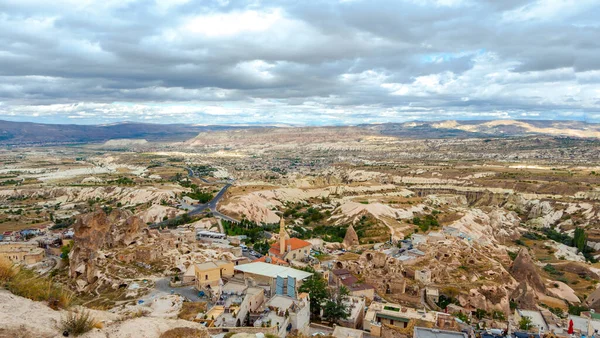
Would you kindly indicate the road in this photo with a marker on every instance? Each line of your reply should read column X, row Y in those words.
column 200, row 208
column 161, row 287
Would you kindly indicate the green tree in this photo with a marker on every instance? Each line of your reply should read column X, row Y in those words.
column 525, row 323
column 579, row 239
column 334, row 308
column 499, row 315
column 65, row 250
column 316, row 287
column 480, row 313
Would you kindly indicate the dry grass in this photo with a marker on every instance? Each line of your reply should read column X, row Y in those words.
column 348, row 256
column 7, row 270
column 78, row 323
column 184, row 332
column 190, row 310
column 26, row 283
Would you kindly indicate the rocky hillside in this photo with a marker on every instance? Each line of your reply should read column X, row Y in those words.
column 21, row 317
column 97, row 231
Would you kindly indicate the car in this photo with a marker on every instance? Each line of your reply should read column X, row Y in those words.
column 318, row 334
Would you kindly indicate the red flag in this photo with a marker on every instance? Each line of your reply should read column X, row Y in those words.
column 570, row 331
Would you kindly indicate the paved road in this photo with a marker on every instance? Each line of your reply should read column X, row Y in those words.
column 162, row 287
column 200, row 208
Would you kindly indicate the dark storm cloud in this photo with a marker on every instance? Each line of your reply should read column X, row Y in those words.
column 299, row 61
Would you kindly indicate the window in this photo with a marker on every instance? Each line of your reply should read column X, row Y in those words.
column 294, row 256
column 205, row 277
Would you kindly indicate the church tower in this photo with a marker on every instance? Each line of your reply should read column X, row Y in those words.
column 282, row 236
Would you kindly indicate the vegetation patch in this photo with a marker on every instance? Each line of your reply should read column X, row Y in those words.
column 26, row 283
column 190, row 310
column 78, row 323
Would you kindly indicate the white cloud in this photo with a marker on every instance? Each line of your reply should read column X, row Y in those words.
column 228, row 24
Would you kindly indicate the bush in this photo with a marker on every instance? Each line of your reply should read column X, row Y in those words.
column 28, row 284
column 78, row 323
column 182, row 332
column 7, row 270
column 525, row 323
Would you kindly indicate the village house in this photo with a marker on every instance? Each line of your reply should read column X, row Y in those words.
column 356, row 309
column 286, row 314
column 537, row 320
column 272, row 260
column 273, row 278
column 423, row 332
column 210, row 274
column 236, row 301
column 346, row 332
column 341, row 277
column 396, row 315
column 21, row 253
column 289, row 249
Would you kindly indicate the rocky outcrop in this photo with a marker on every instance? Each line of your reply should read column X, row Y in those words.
column 21, row 317
column 525, row 271
column 351, row 238
column 593, row 300
column 96, row 231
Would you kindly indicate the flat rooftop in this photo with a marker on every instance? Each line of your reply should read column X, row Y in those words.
column 280, row 302
column 272, row 270
column 422, row 332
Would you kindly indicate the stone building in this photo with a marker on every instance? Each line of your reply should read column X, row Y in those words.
column 209, row 274
column 289, row 249
column 423, row 276
column 343, row 277
column 21, row 253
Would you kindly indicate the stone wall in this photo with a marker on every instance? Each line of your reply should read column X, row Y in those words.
column 218, row 330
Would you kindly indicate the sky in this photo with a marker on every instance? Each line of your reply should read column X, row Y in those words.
column 298, row 62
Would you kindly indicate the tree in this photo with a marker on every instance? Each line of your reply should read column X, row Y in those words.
column 316, row 287
column 334, row 308
column 579, row 239
column 499, row 315
column 65, row 250
column 525, row 323
column 480, row 313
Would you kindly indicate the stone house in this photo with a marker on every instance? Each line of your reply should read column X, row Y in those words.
column 209, row 274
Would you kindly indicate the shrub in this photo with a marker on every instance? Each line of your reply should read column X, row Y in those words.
column 183, row 332
column 525, row 323
column 78, row 323
column 7, row 270
column 26, row 283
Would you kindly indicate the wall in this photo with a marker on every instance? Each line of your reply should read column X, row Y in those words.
column 248, row 329
column 301, row 319
column 387, row 332
column 227, row 269
column 367, row 293
column 300, row 253
column 207, row 277
column 21, row 253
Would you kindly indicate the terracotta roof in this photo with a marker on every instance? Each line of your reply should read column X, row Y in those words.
column 295, row 243
column 273, row 260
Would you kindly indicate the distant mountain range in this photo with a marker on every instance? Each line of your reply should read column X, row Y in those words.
column 489, row 128
column 26, row 133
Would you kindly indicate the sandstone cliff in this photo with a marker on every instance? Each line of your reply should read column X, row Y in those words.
column 96, row 231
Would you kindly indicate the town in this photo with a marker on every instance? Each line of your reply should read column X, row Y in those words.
column 362, row 257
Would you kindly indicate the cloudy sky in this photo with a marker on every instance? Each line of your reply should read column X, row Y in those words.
column 301, row 62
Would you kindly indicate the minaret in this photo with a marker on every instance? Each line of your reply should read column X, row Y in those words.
column 282, row 235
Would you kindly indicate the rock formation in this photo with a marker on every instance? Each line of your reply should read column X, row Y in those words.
column 525, row 271
column 351, row 238
column 94, row 232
